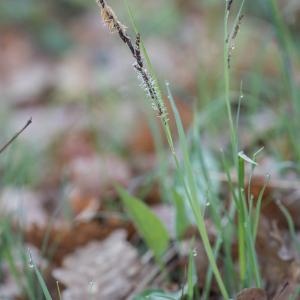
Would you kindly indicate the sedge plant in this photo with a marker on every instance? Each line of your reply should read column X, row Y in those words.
column 247, row 215
column 150, row 85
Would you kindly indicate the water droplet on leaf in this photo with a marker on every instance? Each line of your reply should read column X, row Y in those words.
column 30, row 263
column 194, row 252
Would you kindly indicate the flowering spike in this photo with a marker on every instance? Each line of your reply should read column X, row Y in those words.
column 148, row 84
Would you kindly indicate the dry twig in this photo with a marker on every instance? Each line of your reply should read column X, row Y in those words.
column 16, row 135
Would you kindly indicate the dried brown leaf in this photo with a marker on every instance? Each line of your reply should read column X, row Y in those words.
column 112, row 264
column 253, row 293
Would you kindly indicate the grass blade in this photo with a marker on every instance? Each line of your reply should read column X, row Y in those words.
column 194, row 200
column 40, row 278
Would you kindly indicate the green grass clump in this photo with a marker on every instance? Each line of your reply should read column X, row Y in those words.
column 193, row 197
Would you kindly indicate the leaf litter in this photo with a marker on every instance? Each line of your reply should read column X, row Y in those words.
column 26, row 83
column 112, row 264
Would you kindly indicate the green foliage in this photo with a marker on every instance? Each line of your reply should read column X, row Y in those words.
column 192, row 190
column 151, row 228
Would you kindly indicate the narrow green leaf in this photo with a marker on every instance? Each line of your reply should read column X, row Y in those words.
column 40, row 278
column 150, row 226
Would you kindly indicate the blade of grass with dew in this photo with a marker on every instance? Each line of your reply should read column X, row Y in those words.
column 150, row 226
column 192, row 277
column 13, row 247
column 40, row 278
column 194, row 200
column 90, row 294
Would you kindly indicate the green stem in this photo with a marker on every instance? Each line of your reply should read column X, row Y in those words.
column 226, row 76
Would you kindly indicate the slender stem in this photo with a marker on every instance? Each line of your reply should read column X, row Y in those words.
column 226, row 75
column 16, row 135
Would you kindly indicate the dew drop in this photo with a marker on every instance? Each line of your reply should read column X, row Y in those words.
column 277, row 201
column 207, row 203
column 242, row 96
column 91, row 281
column 30, row 263
column 242, row 189
column 252, row 196
column 167, row 83
column 194, row 252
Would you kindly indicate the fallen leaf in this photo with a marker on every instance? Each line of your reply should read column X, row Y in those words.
column 253, row 293
column 112, row 264
column 68, row 237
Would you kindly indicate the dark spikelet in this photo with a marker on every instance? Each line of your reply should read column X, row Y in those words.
column 137, row 50
column 237, row 26
column 229, row 5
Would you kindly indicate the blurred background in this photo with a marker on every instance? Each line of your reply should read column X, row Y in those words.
column 62, row 67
